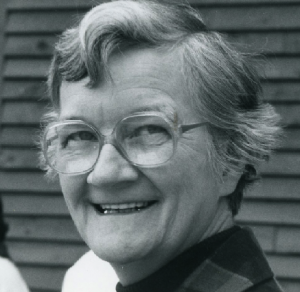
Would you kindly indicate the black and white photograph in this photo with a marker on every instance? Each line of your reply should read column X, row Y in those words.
column 150, row 146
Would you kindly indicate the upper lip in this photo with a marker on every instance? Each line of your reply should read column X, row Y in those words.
column 117, row 200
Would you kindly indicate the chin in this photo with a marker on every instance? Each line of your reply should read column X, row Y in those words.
column 123, row 250
column 120, row 255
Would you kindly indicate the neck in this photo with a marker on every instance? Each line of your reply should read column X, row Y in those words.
column 222, row 221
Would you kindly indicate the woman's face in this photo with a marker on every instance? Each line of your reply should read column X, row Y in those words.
column 184, row 194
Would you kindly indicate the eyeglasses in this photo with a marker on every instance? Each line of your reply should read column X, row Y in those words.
column 145, row 140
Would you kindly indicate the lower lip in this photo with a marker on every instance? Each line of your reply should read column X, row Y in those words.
column 122, row 211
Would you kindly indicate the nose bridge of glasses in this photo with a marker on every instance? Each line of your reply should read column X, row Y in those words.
column 109, row 139
column 112, row 140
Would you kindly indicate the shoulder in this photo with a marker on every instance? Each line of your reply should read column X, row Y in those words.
column 90, row 274
column 237, row 265
column 10, row 277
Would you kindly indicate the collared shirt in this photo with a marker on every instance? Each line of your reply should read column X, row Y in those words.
column 237, row 265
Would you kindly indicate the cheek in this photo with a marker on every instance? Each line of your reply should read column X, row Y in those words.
column 186, row 175
column 195, row 185
column 72, row 188
column 193, row 172
column 73, row 191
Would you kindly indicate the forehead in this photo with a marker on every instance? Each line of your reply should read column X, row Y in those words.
column 141, row 79
column 155, row 65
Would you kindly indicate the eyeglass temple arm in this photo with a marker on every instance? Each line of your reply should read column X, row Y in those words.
column 185, row 128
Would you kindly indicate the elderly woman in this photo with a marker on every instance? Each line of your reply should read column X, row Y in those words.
column 156, row 129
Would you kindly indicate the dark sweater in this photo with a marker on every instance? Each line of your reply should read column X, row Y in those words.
column 170, row 276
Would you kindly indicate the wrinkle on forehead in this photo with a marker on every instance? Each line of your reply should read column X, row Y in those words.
column 80, row 102
column 142, row 80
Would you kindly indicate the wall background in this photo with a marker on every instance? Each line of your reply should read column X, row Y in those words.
column 42, row 239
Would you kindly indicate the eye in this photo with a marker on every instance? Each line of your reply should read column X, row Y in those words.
column 150, row 135
column 82, row 135
column 149, row 130
column 77, row 137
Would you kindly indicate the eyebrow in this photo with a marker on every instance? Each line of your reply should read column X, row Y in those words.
column 165, row 109
column 74, row 118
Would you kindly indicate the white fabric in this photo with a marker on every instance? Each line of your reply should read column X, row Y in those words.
column 10, row 277
column 90, row 274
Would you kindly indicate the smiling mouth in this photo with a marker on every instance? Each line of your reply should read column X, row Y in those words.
column 107, row 209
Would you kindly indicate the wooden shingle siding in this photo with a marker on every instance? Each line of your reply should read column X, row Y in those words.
column 42, row 238
column 46, row 228
column 50, row 4
column 26, row 181
column 29, row 46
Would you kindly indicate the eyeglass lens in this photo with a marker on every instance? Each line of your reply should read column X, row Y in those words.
column 74, row 147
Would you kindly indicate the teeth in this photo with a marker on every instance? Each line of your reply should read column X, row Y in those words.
column 122, row 208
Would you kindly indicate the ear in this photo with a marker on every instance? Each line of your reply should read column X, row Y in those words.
column 228, row 183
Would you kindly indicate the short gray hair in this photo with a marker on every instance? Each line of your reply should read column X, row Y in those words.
column 221, row 82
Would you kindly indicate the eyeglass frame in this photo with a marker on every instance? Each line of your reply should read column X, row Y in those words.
column 112, row 139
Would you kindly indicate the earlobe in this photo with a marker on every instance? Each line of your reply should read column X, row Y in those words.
column 228, row 183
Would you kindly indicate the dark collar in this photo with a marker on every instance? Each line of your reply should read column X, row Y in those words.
column 172, row 275
column 237, row 265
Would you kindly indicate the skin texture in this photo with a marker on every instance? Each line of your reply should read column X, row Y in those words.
column 190, row 203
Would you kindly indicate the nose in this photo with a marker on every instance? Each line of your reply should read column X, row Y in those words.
column 112, row 168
